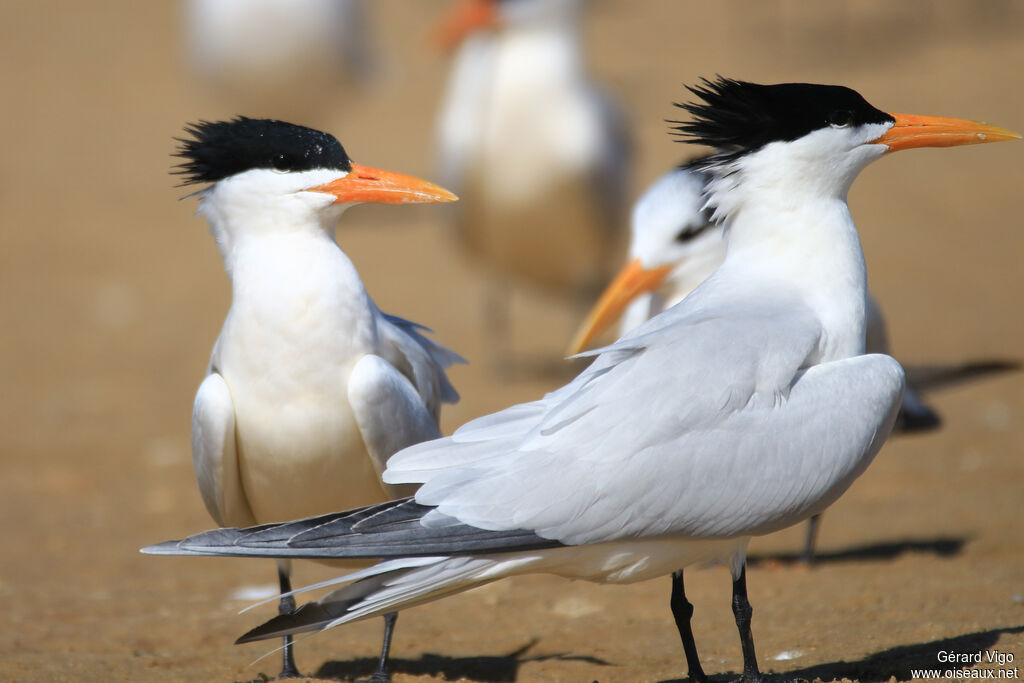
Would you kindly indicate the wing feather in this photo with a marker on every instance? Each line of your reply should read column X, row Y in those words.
column 419, row 358
column 214, row 455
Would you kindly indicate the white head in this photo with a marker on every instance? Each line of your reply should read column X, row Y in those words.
column 789, row 142
column 270, row 177
column 670, row 227
column 778, row 147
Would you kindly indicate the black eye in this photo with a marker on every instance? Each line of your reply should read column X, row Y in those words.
column 689, row 232
column 282, row 162
column 840, row 118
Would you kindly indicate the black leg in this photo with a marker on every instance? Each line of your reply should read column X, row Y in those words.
column 742, row 610
column 287, row 606
column 812, row 538
column 682, row 610
column 381, row 675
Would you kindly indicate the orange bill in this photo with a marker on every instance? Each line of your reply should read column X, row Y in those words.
column 912, row 131
column 631, row 282
column 464, row 18
column 364, row 184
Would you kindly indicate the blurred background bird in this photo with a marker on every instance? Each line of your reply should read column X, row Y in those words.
column 287, row 58
column 536, row 151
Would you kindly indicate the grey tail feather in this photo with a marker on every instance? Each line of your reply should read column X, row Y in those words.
column 928, row 378
column 315, row 616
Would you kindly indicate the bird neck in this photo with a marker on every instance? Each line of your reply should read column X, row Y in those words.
column 300, row 288
column 809, row 246
column 240, row 220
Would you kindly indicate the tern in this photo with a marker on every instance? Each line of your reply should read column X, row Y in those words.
column 745, row 409
column 536, row 152
column 310, row 388
column 675, row 245
column 292, row 55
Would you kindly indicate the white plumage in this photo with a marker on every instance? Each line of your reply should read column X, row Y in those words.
column 744, row 409
column 310, row 388
column 289, row 423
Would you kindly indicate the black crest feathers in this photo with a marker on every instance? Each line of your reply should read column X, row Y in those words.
column 737, row 117
column 218, row 149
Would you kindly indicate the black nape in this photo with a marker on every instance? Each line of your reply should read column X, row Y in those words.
column 737, row 117
column 219, row 149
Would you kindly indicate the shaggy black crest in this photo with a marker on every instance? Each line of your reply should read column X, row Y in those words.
column 218, row 149
column 737, row 117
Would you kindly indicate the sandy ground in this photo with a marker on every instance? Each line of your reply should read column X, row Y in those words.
column 111, row 295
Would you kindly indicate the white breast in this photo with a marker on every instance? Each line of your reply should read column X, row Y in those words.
column 299, row 321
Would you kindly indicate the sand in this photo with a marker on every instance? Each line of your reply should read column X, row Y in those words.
column 111, row 295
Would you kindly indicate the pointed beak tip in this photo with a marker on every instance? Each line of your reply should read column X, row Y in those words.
column 911, row 131
column 371, row 185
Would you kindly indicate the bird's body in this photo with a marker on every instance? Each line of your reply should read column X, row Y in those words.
column 675, row 246
column 295, row 418
column 310, row 388
column 297, row 56
column 746, row 408
column 525, row 138
column 536, row 152
column 300, row 341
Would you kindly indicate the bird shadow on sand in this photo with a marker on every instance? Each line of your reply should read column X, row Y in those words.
column 940, row 546
column 896, row 663
column 485, row 669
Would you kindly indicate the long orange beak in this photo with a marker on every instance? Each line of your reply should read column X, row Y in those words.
column 464, row 18
column 631, row 282
column 365, row 184
column 913, row 131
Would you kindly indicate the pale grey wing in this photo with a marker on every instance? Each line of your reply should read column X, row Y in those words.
column 420, row 359
column 768, row 463
column 587, row 463
column 214, row 455
column 389, row 412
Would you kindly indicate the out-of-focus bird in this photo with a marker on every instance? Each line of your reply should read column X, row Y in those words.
column 310, row 388
column 675, row 245
column 717, row 420
column 291, row 58
column 537, row 153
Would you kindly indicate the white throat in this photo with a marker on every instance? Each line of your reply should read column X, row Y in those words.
column 262, row 203
column 788, row 226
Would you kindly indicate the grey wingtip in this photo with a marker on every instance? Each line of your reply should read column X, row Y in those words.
column 165, row 548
